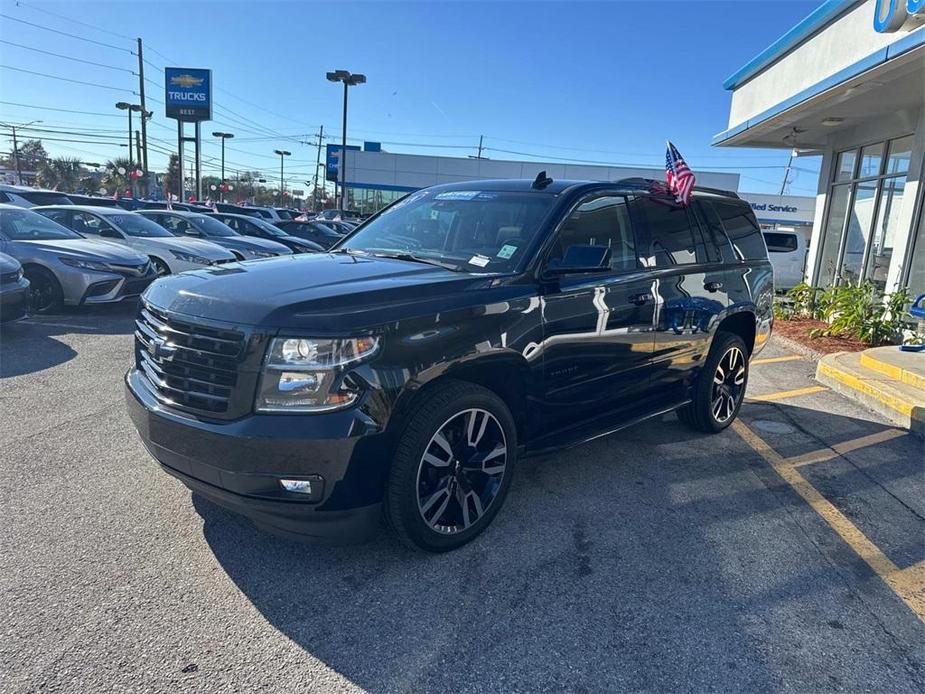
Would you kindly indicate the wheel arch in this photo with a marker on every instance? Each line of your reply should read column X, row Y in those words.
column 743, row 323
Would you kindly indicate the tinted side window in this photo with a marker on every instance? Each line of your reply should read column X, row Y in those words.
column 713, row 231
column 780, row 243
column 742, row 229
column 602, row 221
column 60, row 216
column 85, row 223
column 672, row 237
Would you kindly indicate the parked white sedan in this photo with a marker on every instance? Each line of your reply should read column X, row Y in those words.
column 169, row 253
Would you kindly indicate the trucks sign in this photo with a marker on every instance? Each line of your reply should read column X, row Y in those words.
column 188, row 93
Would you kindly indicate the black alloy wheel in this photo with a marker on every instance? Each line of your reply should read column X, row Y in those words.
column 452, row 466
column 161, row 267
column 461, row 471
column 45, row 294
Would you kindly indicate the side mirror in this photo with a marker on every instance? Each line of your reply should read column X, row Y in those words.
column 580, row 259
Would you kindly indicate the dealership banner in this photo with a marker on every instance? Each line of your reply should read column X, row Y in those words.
column 332, row 159
column 188, row 93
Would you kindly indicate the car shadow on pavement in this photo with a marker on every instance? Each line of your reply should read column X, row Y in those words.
column 658, row 559
column 32, row 344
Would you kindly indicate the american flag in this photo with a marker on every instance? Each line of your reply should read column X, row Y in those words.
column 678, row 175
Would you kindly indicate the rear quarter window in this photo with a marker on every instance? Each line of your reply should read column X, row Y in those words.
column 742, row 229
column 780, row 243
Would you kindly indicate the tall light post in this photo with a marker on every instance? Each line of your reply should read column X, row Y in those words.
column 282, row 154
column 125, row 106
column 13, row 126
column 349, row 80
column 223, row 136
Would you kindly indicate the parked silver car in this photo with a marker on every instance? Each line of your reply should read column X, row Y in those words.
column 64, row 268
column 204, row 227
column 14, row 289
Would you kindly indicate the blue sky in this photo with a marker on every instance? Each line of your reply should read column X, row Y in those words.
column 604, row 82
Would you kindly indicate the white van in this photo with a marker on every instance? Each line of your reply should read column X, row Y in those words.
column 787, row 253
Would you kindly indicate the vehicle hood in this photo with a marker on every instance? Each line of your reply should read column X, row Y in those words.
column 325, row 292
column 206, row 249
column 84, row 249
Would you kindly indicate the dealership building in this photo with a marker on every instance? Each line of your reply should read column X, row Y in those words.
column 848, row 82
column 376, row 178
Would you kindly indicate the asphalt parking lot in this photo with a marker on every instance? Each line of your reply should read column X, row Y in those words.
column 786, row 554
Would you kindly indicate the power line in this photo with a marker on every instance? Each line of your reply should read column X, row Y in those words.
column 63, row 110
column 65, row 79
column 64, row 33
column 75, row 21
column 67, row 57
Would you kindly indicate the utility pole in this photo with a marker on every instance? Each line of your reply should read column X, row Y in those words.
column 138, row 149
column 317, row 165
column 479, row 156
column 16, row 156
column 783, row 184
column 144, row 109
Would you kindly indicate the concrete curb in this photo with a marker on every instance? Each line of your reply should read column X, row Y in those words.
column 899, row 402
column 870, row 361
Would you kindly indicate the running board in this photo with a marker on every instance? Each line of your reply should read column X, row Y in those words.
column 585, row 433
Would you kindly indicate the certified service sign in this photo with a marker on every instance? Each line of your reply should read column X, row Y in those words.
column 188, row 93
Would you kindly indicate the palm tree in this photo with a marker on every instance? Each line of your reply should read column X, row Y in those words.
column 60, row 173
column 116, row 175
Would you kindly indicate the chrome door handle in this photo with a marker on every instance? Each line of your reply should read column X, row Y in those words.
column 640, row 299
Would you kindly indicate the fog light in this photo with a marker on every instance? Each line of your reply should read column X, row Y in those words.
column 299, row 486
column 310, row 488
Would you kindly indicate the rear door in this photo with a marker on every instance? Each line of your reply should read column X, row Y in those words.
column 690, row 288
column 598, row 339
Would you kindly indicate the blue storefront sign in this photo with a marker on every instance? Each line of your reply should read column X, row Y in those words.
column 188, row 93
column 331, row 160
column 896, row 15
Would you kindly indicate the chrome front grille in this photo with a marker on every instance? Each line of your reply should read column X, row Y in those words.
column 189, row 366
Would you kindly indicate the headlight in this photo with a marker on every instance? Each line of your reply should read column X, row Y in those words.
column 263, row 254
column 308, row 374
column 190, row 258
column 86, row 264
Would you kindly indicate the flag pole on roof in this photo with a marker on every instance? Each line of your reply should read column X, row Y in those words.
column 678, row 175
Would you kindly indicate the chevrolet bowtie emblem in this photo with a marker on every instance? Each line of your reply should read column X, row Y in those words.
column 186, row 81
column 160, row 350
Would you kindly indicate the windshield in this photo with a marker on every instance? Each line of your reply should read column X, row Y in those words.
column 24, row 225
column 138, row 226
column 210, row 226
column 477, row 230
column 270, row 229
column 284, row 214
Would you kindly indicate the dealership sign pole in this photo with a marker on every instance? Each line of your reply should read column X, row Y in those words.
column 188, row 98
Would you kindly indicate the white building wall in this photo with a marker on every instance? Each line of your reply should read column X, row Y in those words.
column 836, row 46
column 411, row 171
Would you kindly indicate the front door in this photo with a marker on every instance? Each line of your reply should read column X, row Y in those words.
column 598, row 338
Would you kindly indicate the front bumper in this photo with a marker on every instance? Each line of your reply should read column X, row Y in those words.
column 14, row 300
column 85, row 287
column 238, row 464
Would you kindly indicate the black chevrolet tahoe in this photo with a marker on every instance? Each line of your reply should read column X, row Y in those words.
column 402, row 373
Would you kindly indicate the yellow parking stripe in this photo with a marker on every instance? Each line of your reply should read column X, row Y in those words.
column 908, row 584
column 775, row 360
column 838, row 449
column 780, row 395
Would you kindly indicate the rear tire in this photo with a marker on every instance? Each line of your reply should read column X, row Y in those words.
column 45, row 294
column 443, row 491
column 720, row 388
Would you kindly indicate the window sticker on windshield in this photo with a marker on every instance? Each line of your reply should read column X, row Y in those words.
column 507, row 251
column 479, row 260
column 456, row 195
column 486, row 196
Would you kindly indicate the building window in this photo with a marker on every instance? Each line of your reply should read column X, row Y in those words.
column 865, row 199
column 917, row 258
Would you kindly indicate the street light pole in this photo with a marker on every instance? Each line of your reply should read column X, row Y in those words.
column 282, row 154
column 223, row 136
column 349, row 80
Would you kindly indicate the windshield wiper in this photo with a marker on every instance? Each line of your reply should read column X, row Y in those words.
column 419, row 259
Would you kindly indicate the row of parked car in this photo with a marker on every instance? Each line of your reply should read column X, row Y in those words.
column 82, row 250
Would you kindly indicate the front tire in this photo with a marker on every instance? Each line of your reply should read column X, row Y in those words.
column 45, row 293
column 720, row 388
column 162, row 268
column 452, row 467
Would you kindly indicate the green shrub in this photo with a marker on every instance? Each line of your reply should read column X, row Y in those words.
column 860, row 312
